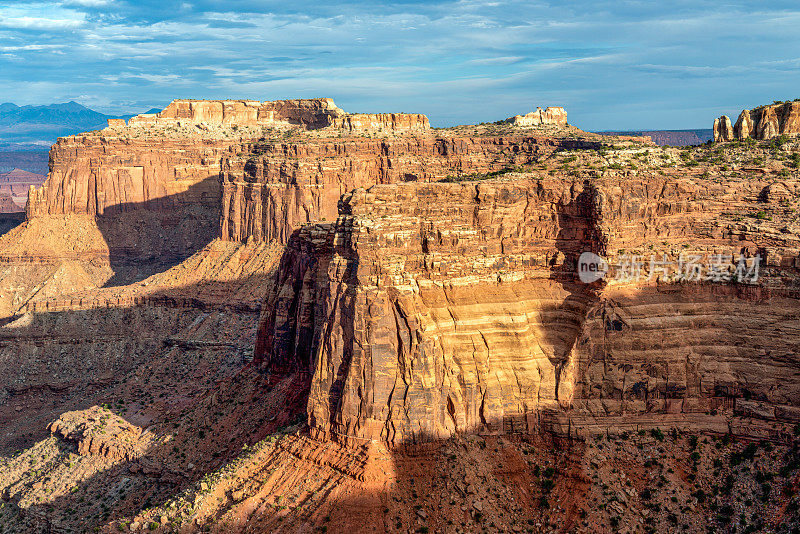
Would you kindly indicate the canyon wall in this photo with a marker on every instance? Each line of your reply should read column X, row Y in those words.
column 93, row 174
column 764, row 122
column 273, row 188
column 151, row 201
column 427, row 310
column 422, row 295
column 131, row 200
column 15, row 185
column 311, row 113
column 152, row 186
column 431, row 309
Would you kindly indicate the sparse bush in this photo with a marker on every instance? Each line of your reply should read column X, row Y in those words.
column 762, row 216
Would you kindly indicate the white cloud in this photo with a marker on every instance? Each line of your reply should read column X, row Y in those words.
column 87, row 3
column 30, row 47
column 506, row 60
column 39, row 23
column 40, row 16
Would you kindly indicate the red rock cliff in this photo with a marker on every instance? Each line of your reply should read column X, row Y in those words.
column 431, row 309
column 273, row 189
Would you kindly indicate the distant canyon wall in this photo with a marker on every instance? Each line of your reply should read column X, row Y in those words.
column 154, row 184
column 151, row 201
column 310, row 113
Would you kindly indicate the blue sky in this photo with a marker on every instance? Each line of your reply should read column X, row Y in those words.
column 613, row 65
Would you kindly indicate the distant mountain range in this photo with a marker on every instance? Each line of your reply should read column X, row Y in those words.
column 29, row 127
column 671, row 137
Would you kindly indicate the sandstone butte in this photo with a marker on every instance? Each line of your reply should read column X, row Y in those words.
column 277, row 316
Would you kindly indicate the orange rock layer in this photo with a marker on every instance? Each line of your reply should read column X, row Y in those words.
column 273, row 189
column 428, row 310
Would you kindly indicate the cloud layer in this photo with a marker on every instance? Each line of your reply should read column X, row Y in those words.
column 613, row 65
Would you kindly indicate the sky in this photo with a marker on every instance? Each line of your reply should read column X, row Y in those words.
column 612, row 64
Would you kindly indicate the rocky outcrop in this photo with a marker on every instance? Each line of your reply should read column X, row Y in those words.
column 311, row 113
column 551, row 116
column 97, row 431
column 421, row 294
column 136, row 199
column 723, row 129
column 764, row 122
column 390, row 309
column 152, row 199
column 378, row 122
column 160, row 173
column 743, row 126
column 7, row 204
column 97, row 174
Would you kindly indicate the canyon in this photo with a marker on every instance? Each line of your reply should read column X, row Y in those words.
column 14, row 186
column 274, row 315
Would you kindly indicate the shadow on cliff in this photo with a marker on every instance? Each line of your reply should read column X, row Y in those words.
column 9, row 221
column 444, row 483
column 578, row 232
column 301, row 311
column 148, row 237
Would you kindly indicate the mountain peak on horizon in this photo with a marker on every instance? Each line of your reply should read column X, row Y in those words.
column 43, row 124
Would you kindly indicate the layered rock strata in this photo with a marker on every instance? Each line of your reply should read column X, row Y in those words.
column 428, row 310
column 15, row 185
column 146, row 195
column 275, row 187
column 311, row 114
column 764, row 122
column 149, row 202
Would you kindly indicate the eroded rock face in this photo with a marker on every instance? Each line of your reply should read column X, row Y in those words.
column 421, row 308
column 276, row 187
column 14, row 186
column 151, row 199
column 723, row 130
column 551, row 116
column 152, row 188
column 309, row 113
column 396, row 325
column 764, row 122
column 432, row 309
